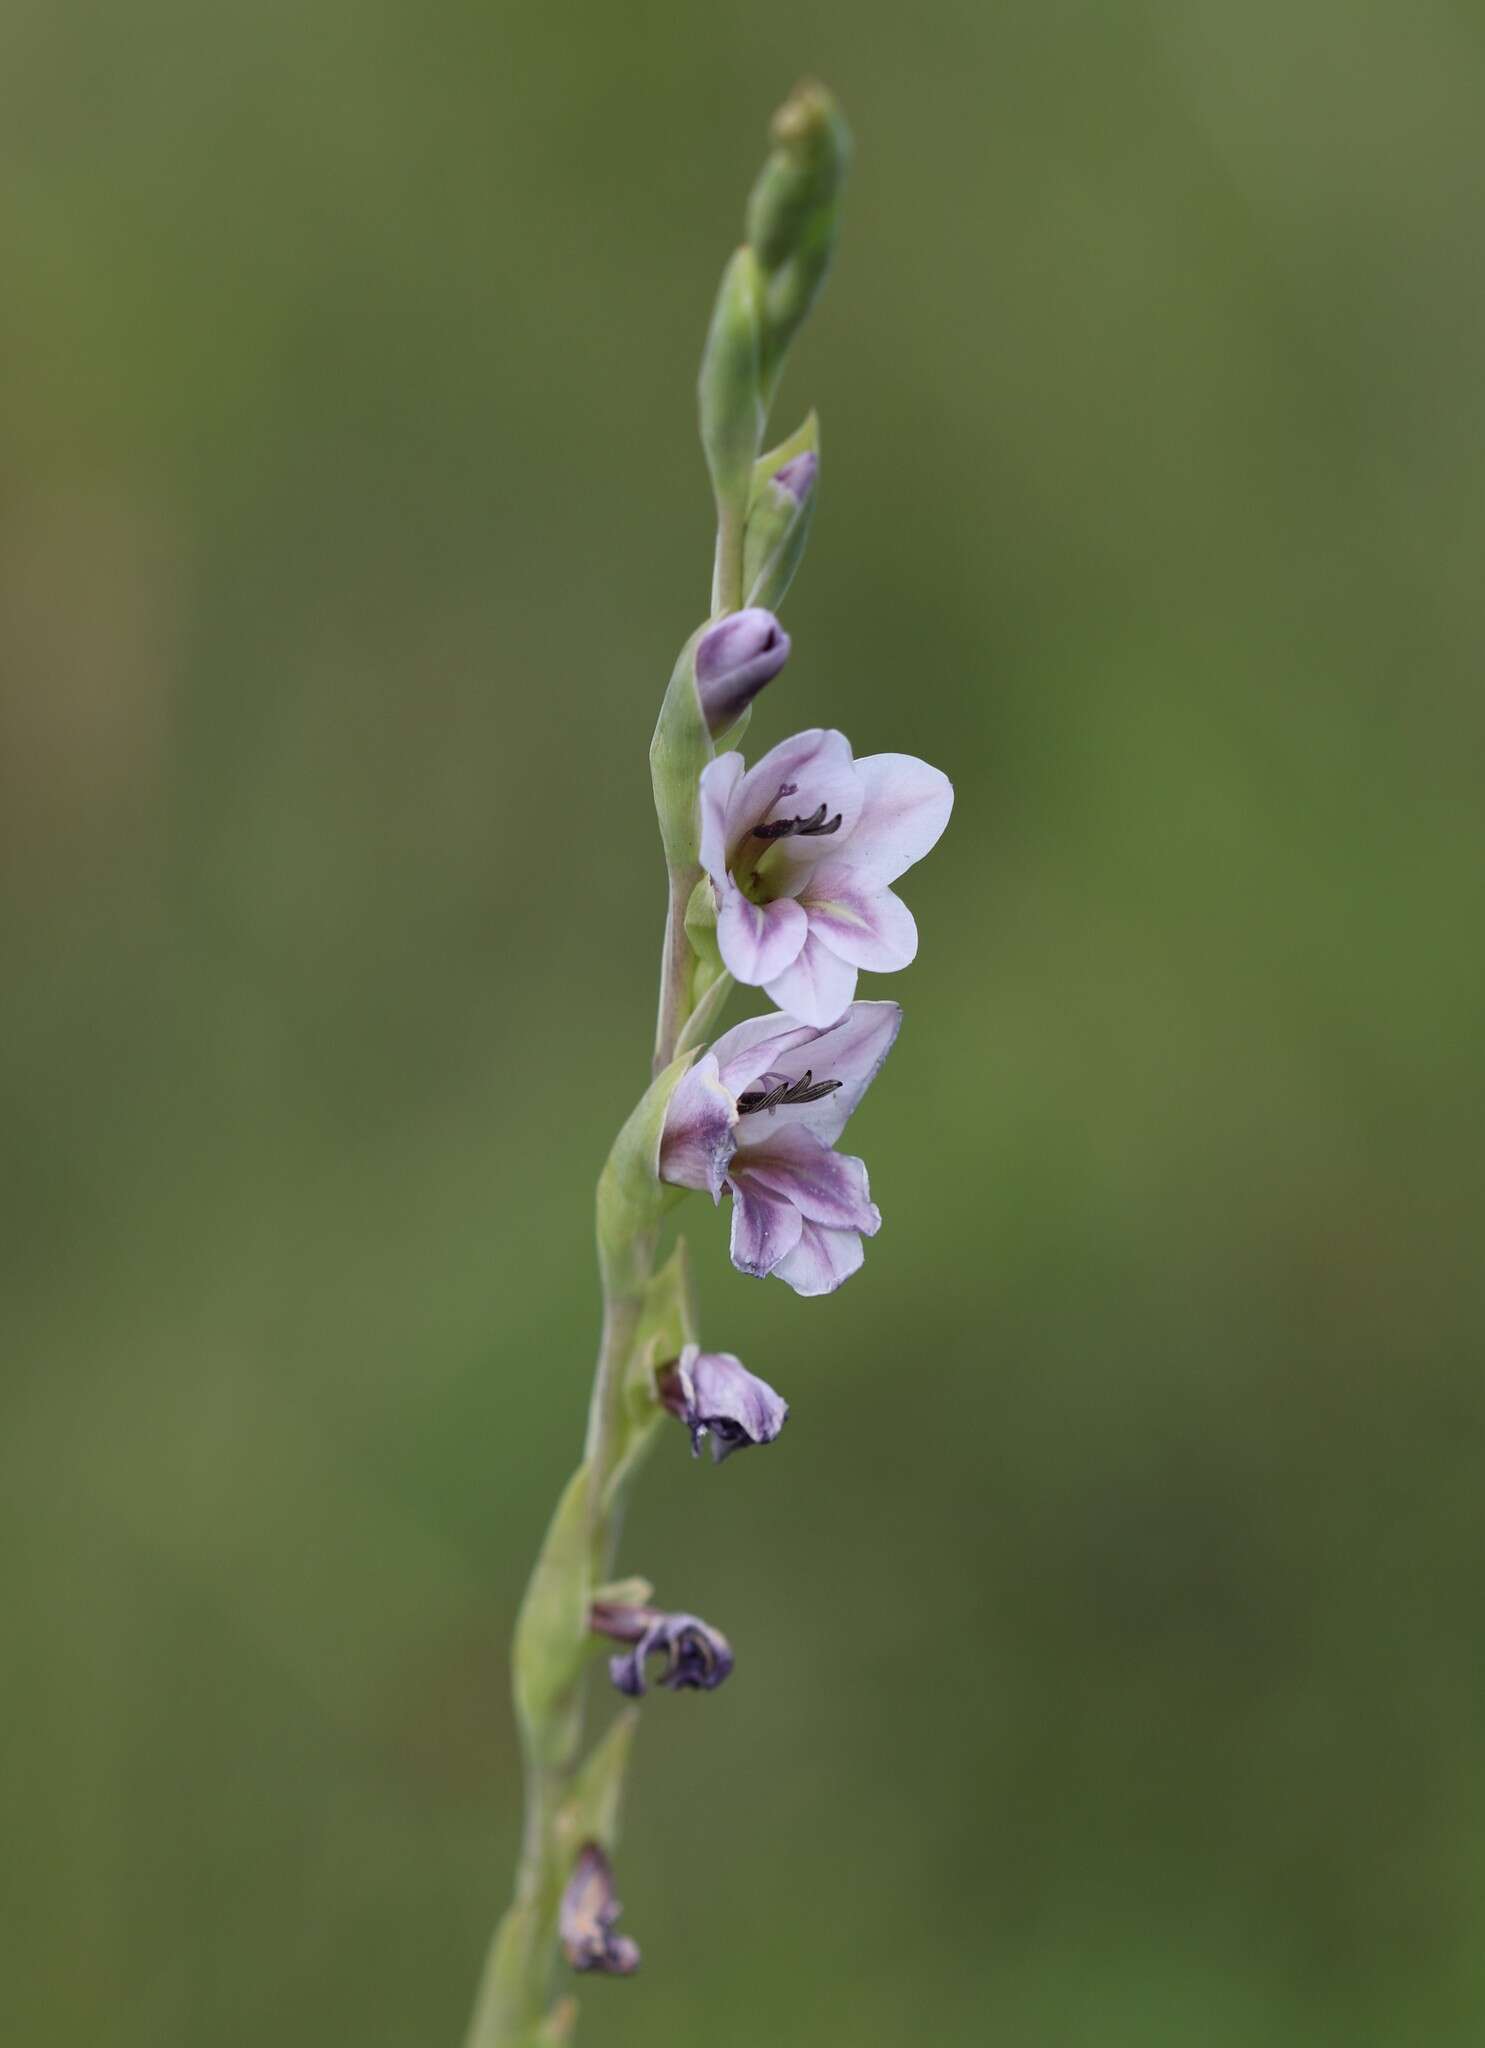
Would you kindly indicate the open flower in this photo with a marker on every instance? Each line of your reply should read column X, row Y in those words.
column 801, row 850
column 696, row 1657
column 757, row 1117
column 588, row 1912
column 715, row 1395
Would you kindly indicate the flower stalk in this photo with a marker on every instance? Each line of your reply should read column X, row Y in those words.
column 753, row 1114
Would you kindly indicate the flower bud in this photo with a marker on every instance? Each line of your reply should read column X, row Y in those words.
column 697, row 1657
column 778, row 525
column 714, row 1394
column 734, row 659
column 792, row 215
column 588, row 1912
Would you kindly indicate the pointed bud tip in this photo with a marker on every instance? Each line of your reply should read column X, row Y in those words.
column 734, row 660
column 798, row 477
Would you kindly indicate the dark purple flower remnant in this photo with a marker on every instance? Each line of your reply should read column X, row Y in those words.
column 715, row 1395
column 588, row 1912
column 696, row 1657
column 734, row 659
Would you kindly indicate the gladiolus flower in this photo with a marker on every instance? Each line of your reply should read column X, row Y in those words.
column 801, row 850
column 715, row 1395
column 757, row 1117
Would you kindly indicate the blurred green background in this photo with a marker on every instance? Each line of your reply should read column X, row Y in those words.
column 1111, row 1664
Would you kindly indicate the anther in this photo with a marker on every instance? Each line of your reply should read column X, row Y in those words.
column 786, row 1095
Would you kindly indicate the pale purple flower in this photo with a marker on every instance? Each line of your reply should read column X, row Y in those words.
column 801, row 850
column 696, row 1657
column 715, row 1395
column 757, row 1118
column 588, row 1912
column 733, row 661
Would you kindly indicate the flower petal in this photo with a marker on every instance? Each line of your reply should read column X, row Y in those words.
column 906, row 809
column 865, row 926
column 698, row 1140
column 816, row 986
column 817, row 766
column 719, row 779
column 749, row 1048
column 758, row 941
column 850, row 1052
column 764, row 1229
column 825, row 1187
column 822, row 1260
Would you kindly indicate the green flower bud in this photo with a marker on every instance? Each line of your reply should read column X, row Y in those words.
column 792, row 215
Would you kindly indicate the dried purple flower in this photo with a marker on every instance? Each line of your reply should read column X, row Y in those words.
column 734, row 659
column 589, row 1910
column 714, row 1394
column 697, row 1657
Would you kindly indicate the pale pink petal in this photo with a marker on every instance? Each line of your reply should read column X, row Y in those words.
column 816, row 987
column 698, row 1140
column 816, row 767
column 866, row 926
column 791, row 1162
column 821, row 1260
column 758, row 941
column 764, row 1229
column 851, row 1052
column 906, row 808
column 719, row 779
column 749, row 1048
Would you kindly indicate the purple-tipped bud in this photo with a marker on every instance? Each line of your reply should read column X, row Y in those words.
column 734, row 659
column 696, row 1657
column 798, row 477
column 714, row 1394
column 589, row 1910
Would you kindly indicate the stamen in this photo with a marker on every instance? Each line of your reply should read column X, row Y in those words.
column 812, row 827
column 787, row 1094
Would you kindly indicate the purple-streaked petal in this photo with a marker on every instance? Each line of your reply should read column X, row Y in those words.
column 697, row 1141
column 758, row 941
column 907, row 805
column 793, row 1164
column 816, row 767
column 850, row 1052
column 821, row 1260
column 866, row 926
column 816, row 986
column 734, row 659
column 719, row 779
column 764, row 1229
column 749, row 1048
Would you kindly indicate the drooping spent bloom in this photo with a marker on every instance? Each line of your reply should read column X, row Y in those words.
column 587, row 1915
column 733, row 661
column 696, row 1657
column 757, row 1118
column 801, row 851
column 715, row 1395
